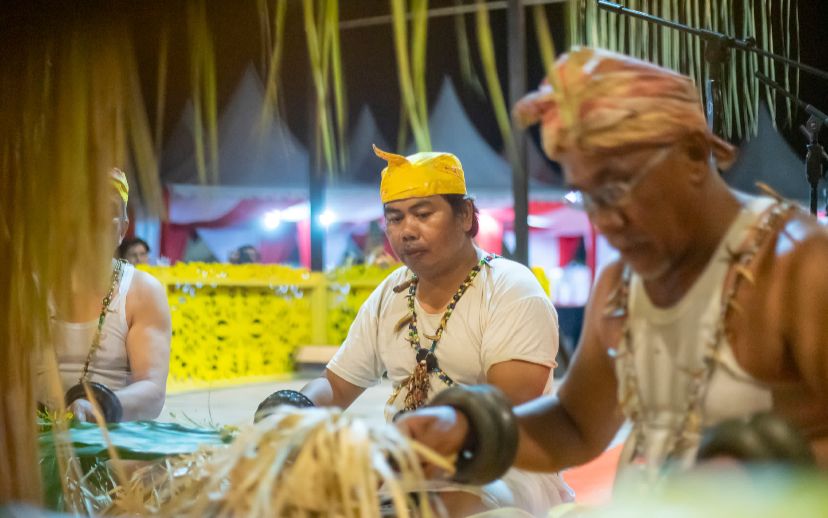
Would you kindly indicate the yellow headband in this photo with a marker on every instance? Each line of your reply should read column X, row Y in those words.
column 598, row 100
column 119, row 183
column 420, row 175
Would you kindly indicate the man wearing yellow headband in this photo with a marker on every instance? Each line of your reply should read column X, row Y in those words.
column 454, row 314
column 715, row 309
column 115, row 338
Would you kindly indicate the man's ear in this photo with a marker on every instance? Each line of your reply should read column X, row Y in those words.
column 124, row 227
column 697, row 147
column 468, row 216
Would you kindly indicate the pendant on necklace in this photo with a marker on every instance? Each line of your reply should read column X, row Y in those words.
column 428, row 357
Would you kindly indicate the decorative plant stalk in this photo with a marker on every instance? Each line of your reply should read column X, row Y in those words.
column 487, row 56
column 203, row 80
column 777, row 26
column 161, row 87
column 322, row 35
column 419, row 39
column 273, row 47
column 413, row 98
column 338, row 85
column 467, row 71
column 544, row 36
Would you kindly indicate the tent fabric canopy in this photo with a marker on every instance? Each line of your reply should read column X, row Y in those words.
column 247, row 156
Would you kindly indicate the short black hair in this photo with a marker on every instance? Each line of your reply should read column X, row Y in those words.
column 248, row 254
column 458, row 208
column 126, row 244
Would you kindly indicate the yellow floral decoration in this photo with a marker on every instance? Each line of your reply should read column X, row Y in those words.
column 234, row 323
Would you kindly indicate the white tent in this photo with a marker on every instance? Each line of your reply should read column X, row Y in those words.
column 246, row 156
column 363, row 164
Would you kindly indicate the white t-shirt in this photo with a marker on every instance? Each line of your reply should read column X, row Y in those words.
column 504, row 315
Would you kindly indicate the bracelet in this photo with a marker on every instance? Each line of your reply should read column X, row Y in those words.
column 491, row 444
column 760, row 438
column 105, row 398
column 281, row 397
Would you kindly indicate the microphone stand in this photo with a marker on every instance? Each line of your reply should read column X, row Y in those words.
column 815, row 153
column 716, row 53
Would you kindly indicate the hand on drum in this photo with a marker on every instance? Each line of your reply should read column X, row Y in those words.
column 82, row 410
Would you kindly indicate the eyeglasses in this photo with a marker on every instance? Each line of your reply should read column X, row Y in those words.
column 616, row 194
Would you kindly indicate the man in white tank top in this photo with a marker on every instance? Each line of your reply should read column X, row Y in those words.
column 717, row 307
column 132, row 353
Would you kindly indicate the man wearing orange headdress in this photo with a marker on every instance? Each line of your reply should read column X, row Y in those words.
column 715, row 309
column 114, row 339
column 454, row 314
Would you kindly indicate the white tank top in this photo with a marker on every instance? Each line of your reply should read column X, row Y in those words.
column 668, row 343
column 110, row 364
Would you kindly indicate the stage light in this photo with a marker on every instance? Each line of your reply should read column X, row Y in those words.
column 327, row 218
column 272, row 219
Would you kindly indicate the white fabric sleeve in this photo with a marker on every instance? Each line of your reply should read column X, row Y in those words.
column 525, row 329
column 357, row 360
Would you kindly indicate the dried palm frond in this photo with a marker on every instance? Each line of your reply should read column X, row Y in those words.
column 772, row 23
column 411, row 67
column 308, row 462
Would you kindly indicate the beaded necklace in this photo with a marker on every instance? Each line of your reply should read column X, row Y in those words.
column 418, row 383
column 96, row 339
column 684, row 437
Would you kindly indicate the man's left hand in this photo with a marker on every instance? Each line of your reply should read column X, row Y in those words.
column 82, row 410
column 441, row 428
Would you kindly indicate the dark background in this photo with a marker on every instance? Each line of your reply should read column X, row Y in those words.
column 369, row 61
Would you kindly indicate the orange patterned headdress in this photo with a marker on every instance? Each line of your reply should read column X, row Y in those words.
column 598, row 100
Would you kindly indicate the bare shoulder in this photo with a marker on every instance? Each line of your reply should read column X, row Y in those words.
column 784, row 310
column 797, row 260
column 145, row 291
column 802, row 242
column 144, row 284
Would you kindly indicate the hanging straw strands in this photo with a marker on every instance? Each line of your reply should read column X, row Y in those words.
column 777, row 21
column 69, row 112
column 308, row 462
column 411, row 68
column 321, row 18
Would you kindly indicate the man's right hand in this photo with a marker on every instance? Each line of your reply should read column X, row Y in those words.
column 441, row 428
